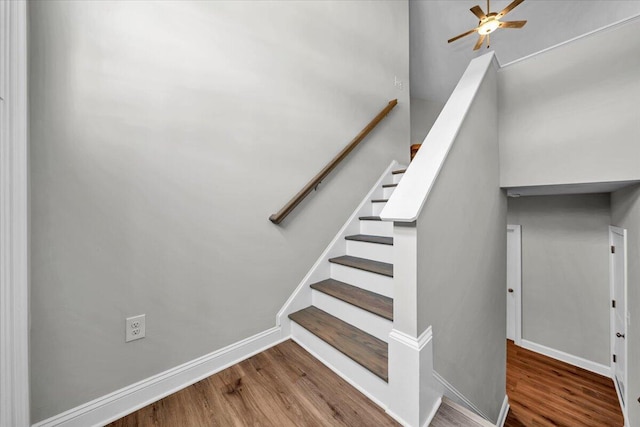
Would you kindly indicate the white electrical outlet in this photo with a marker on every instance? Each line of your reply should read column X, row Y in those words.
column 135, row 328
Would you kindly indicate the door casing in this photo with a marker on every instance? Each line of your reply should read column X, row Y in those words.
column 616, row 233
column 514, row 270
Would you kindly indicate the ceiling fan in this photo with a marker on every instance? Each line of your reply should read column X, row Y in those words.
column 490, row 22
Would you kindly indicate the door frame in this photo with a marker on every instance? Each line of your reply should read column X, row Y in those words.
column 517, row 234
column 14, row 219
column 612, row 321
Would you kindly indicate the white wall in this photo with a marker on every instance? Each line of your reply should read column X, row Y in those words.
column 462, row 259
column 163, row 135
column 625, row 213
column 565, row 272
column 423, row 115
column 571, row 115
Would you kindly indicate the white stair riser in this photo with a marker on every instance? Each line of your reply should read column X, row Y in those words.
column 365, row 381
column 371, row 323
column 377, row 228
column 387, row 192
column 374, row 251
column 373, row 282
column 397, row 177
column 376, row 208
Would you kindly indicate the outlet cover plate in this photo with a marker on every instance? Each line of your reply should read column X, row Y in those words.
column 135, row 328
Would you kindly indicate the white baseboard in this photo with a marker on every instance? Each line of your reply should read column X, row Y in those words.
column 433, row 412
column 621, row 401
column 504, row 411
column 113, row 406
column 452, row 393
column 568, row 358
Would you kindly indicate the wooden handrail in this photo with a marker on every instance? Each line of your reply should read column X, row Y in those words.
column 277, row 218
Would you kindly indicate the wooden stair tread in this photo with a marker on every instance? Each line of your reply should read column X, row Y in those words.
column 379, row 200
column 366, row 300
column 381, row 240
column 377, row 267
column 370, row 218
column 365, row 349
column 398, row 171
column 389, row 185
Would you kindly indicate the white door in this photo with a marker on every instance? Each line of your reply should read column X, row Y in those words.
column 514, row 278
column 617, row 238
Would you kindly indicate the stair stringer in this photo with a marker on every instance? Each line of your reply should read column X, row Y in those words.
column 302, row 295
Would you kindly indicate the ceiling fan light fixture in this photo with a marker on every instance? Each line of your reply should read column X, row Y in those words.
column 488, row 27
column 489, row 22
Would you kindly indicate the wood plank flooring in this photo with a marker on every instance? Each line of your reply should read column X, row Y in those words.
column 282, row 386
column 546, row 392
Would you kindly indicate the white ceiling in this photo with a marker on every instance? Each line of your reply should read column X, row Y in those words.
column 436, row 66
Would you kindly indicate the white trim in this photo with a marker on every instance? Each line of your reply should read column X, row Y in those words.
column 622, row 399
column 407, row 201
column 413, row 394
column 458, row 397
column 517, row 233
column 430, row 416
column 590, row 33
column 413, row 343
column 14, row 250
column 568, row 358
column 301, row 296
column 433, row 412
column 113, row 406
column 504, row 412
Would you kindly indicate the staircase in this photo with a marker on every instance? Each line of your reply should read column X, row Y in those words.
column 348, row 323
column 343, row 313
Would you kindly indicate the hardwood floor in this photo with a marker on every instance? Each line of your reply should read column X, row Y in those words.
column 282, row 386
column 546, row 392
column 286, row 386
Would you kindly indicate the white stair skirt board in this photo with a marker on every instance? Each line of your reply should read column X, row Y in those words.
column 301, row 297
column 373, row 282
column 504, row 411
column 113, row 406
column 568, row 358
column 377, row 228
column 387, row 192
column 397, row 177
column 376, row 208
column 372, row 251
column 362, row 379
column 371, row 323
column 452, row 393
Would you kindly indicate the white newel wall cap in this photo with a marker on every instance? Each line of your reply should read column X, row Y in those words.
column 410, row 195
column 415, row 343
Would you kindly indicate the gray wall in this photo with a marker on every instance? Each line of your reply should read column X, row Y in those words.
column 163, row 135
column 571, row 115
column 423, row 115
column 565, row 272
column 625, row 213
column 462, row 260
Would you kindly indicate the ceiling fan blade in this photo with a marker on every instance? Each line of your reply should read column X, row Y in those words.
column 478, row 12
column 512, row 24
column 462, row 35
column 479, row 43
column 509, row 8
